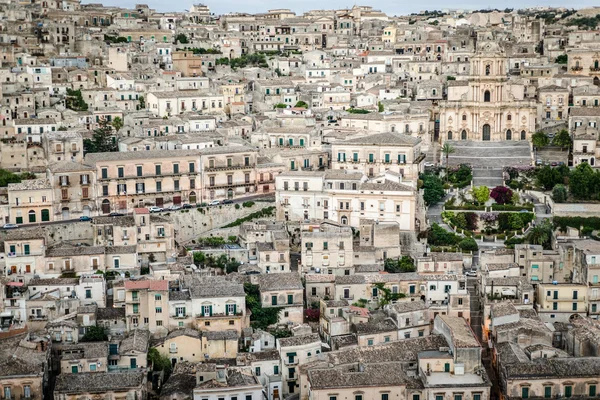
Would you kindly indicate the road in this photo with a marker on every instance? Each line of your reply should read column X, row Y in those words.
column 240, row 200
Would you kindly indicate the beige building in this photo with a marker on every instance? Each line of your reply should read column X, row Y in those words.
column 283, row 290
column 147, row 305
column 559, row 302
column 373, row 155
column 73, row 185
column 76, row 386
column 30, row 201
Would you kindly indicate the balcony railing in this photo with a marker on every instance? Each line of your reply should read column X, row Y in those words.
column 180, row 316
column 219, row 315
column 349, row 297
column 229, row 167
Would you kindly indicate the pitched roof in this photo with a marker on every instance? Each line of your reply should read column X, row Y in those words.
column 384, row 139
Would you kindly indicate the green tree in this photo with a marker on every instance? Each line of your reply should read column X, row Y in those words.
column 260, row 318
column 481, row 194
column 446, row 150
column 385, row 295
column 540, row 234
column 515, row 199
column 74, row 101
column 460, row 220
column 515, row 221
column 159, row 362
column 199, row 258
column 102, row 140
column 404, row 264
column 301, row 104
column 562, row 139
column 433, row 189
column 7, row 177
column 468, row 244
column 181, row 38
column 117, row 124
column 583, row 182
column 559, row 194
column 540, row 139
column 548, row 177
column 380, row 107
column 562, row 59
column 142, row 104
column 94, row 334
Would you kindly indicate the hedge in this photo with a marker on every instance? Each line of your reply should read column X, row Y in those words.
column 510, row 207
column 577, row 222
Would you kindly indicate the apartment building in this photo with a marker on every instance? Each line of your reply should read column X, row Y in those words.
column 31, row 201
column 147, row 305
column 332, row 195
column 561, row 301
column 373, row 155
column 177, row 102
column 283, row 290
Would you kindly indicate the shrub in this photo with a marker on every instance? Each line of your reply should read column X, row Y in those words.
column 515, row 221
column 468, row 244
column 433, row 190
column 247, row 204
column 438, row 236
column 559, row 194
column 501, row 194
column 472, row 219
column 237, row 206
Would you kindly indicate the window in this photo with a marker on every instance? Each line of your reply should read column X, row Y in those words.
column 574, row 306
column 358, row 397
column 175, row 168
column 417, row 397
column 592, row 390
column 88, row 293
column 257, row 371
column 370, row 342
column 157, row 169
column 476, row 396
column 385, row 396
column 547, row 392
column 290, row 299
column 158, row 310
column 458, row 397
column 568, row 391
column 157, row 297
column 273, row 300
column 525, row 392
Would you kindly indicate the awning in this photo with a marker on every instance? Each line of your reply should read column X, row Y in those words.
column 14, row 284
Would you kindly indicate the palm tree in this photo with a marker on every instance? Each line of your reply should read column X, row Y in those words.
column 447, row 149
column 540, row 234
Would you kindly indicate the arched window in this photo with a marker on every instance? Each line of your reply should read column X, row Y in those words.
column 31, row 214
column 464, row 117
column 45, row 215
column 393, row 128
column 344, row 220
column 509, row 117
column 523, row 135
column 192, row 197
column 509, row 135
column 449, row 135
column 463, row 135
column 407, row 128
column 487, row 96
column 487, row 69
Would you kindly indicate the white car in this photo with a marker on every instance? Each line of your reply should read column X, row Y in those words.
column 428, row 164
column 174, row 208
column 471, row 273
column 154, row 209
column 214, row 203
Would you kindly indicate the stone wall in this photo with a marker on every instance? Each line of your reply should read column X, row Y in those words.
column 191, row 224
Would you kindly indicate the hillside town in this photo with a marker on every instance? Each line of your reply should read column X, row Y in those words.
column 337, row 204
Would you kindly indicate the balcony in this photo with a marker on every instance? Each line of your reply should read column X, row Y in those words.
column 38, row 318
column 180, row 316
column 230, row 167
column 348, row 297
column 576, row 68
column 287, row 361
column 595, row 69
column 219, row 315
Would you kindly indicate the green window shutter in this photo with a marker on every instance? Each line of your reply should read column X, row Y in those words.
column 210, row 310
column 235, row 309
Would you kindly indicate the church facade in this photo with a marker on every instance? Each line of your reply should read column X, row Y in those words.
column 488, row 106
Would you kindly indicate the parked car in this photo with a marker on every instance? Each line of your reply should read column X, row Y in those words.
column 174, row 207
column 554, row 163
column 227, row 201
column 428, row 164
column 187, row 206
column 471, row 273
column 539, row 161
column 10, row 226
column 85, row 218
column 214, row 203
column 154, row 209
column 116, row 214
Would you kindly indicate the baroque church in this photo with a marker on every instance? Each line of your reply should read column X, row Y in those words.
column 488, row 106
